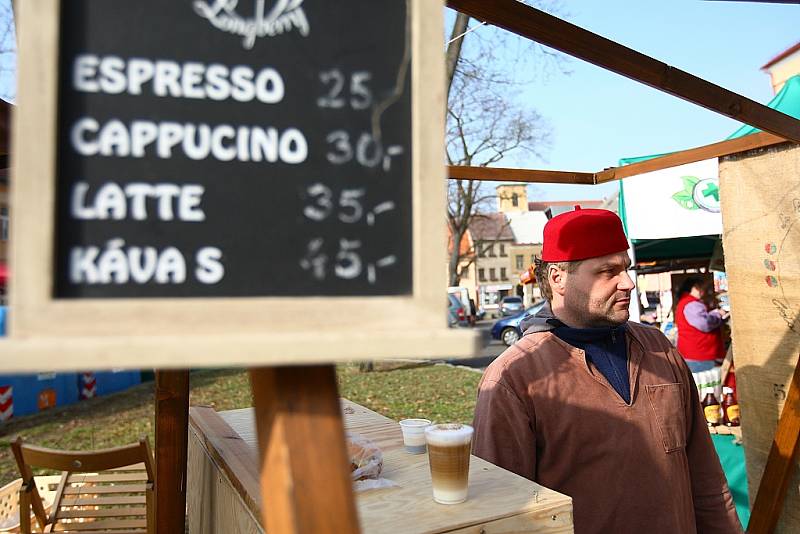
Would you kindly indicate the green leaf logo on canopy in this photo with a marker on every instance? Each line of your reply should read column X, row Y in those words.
column 698, row 193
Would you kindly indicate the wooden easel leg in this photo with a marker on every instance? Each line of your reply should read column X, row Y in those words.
column 768, row 504
column 172, row 431
column 305, row 477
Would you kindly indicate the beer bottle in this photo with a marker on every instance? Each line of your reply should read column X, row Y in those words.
column 711, row 407
column 730, row 408
column 730, row 379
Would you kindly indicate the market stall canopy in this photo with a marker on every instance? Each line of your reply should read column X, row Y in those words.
column 680, row 249
column 683, row 202
column 676, row 202
column 786, row 101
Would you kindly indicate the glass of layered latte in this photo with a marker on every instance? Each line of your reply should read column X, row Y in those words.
column 448, row 454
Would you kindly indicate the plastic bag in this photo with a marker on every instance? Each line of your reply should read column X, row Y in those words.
column 366, row 464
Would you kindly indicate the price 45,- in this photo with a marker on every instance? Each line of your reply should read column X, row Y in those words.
column 346, row 262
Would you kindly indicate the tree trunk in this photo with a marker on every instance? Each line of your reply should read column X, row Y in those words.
column 454, row 278
column 454, row 48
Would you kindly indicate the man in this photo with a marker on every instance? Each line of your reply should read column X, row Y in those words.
column 599, row 408
column 699, row 333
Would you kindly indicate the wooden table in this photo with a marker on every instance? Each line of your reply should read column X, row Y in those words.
column 223, row 490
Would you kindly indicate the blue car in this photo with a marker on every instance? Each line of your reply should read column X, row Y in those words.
column 507, row 329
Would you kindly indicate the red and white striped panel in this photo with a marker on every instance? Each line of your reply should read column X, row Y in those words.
column 88, row 386
column 6, row 403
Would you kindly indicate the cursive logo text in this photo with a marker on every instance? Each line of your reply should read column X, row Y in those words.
column 284, row 16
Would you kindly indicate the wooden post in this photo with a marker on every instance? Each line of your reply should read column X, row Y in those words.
column 768, row 503
column 305, row 479
column 172, row 428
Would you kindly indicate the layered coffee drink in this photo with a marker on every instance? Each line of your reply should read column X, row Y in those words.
column 448, row 454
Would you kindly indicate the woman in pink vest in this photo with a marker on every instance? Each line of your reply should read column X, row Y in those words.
column 699, row 335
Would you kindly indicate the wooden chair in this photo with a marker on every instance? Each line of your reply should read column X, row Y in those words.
column 108, row 491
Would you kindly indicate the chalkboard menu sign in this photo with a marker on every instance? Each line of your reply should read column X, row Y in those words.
column 206, row 182
column 218, row 148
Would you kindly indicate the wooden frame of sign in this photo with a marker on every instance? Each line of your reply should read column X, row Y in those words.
column 55, row 326
column 60, row 322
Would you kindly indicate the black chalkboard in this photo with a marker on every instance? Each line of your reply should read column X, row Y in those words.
column 216, row 148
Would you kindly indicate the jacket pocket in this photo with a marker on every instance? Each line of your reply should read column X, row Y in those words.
column 666, row 403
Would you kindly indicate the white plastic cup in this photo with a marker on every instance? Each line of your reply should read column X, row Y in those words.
column 414, row 434
column 448, row 455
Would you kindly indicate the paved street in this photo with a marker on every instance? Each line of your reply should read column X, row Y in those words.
column 492, row 348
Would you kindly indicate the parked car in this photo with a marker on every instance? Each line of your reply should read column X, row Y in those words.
column 510, row 306
column 507, row 329
column 456, row 315
column 462, row 294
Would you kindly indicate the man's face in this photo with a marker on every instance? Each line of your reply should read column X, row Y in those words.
column 598, row 293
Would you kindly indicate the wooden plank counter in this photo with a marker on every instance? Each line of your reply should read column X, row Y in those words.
column 223, row 490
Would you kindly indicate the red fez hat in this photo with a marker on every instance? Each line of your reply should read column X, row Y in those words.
column 582, row 234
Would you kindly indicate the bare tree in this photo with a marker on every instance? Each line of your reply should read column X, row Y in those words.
column 486, row 69
column 8, row 52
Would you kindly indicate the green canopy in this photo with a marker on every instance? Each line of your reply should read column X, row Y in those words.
column 677, row 247
column 786, row 101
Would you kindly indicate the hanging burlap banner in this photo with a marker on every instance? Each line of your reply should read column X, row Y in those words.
column 761, row 218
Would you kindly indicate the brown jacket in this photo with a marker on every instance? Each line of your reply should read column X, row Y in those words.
column 548, row 415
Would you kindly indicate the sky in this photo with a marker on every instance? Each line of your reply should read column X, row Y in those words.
column 8, row 54
column 598, row 117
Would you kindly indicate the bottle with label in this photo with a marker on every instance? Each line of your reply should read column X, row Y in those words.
column 730, row 380
column 730, row 407
column 711, row 407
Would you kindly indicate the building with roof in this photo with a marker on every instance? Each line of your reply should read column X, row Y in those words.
column 551, row 208
column 528, row 230
column 783, row 66
column 466, row 254
column 512, row 198
column 493, row 239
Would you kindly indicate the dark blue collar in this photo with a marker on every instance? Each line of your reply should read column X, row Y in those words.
column 582, row 336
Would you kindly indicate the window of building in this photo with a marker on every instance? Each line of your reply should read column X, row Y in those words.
column 481, row 249
column 502, row 250
column 520, row 261
column 490, row 250
column 502, row 273
column 482, row 275
column 492, row 274
column 515, row 200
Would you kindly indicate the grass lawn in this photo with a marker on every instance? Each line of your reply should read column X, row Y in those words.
column 439, row 392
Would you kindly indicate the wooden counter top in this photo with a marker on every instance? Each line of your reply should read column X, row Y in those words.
column 499, row 501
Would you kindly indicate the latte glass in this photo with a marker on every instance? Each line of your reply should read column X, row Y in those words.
column 448, row 454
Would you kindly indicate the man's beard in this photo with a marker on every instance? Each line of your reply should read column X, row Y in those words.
column 595, row 312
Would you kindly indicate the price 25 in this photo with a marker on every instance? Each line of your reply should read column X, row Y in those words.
column 339, row 93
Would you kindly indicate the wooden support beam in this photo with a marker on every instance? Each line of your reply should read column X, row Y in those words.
column 305, row 477
column 714, row 150
column 463, row 172
column 551, row 31
column 780, row 464
column 172, row 434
